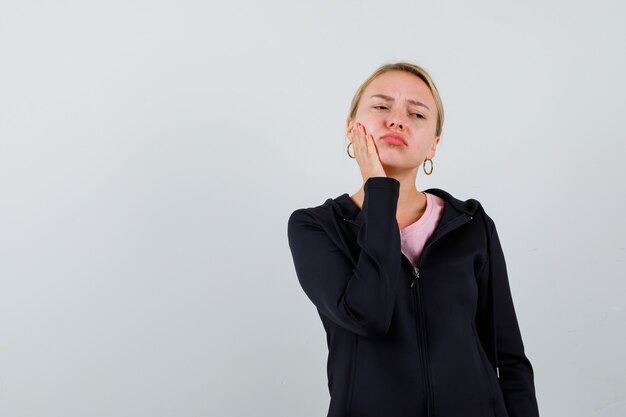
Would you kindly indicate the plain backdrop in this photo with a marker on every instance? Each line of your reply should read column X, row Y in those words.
column 151, row 153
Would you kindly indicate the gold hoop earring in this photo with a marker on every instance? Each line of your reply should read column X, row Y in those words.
column 348, row 150
column 431, row 166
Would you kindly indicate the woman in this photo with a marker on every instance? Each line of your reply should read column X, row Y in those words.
column 411, row 286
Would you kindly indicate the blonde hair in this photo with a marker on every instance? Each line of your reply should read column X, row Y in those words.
column 411, row 69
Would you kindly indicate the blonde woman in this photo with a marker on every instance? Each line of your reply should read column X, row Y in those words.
column 411, row 286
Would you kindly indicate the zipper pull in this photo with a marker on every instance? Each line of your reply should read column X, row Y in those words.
column 416, row 274
column 498, row 372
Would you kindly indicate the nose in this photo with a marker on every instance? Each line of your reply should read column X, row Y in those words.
column 395, row 121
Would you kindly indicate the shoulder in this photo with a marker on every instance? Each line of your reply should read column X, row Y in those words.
column 312, row 216
column 469, row 206
column 472, row 206
column 310, row 212
column 299, row 219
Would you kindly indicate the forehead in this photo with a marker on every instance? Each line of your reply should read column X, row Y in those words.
column 400, row 84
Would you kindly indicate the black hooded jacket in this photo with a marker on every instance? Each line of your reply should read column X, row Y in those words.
column 437, row 339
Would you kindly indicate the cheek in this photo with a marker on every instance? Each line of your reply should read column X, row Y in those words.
column 422, row 140
column 371, row 123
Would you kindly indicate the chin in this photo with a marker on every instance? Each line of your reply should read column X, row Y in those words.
column 396, row 161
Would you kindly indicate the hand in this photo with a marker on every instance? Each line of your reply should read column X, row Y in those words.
column 365, row 152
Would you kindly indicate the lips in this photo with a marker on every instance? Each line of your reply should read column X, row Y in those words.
column 394, row 139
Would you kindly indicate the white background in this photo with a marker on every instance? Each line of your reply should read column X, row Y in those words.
column 151, row 153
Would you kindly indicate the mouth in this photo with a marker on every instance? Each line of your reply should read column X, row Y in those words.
column 394, row 139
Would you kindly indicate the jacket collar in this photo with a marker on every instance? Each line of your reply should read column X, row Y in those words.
column 346, row 208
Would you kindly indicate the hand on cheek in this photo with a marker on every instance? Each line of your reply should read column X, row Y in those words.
column 366, row 153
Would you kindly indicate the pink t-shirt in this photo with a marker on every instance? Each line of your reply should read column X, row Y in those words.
column 414, row 236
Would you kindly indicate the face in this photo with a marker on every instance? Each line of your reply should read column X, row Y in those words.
column 400, row 104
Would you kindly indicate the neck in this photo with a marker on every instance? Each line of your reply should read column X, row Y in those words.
column 410, row 199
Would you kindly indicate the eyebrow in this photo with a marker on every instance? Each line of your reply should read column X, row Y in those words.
column 384, row 97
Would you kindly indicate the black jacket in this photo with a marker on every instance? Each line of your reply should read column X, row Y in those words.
column 405, row 340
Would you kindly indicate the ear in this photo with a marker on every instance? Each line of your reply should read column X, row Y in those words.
column 349, row 124
column 433, row 149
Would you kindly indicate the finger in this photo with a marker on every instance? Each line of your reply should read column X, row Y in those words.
column 364, row 140
column 362, row 137
column 364, row 144
column 357, row 140
column 370, row 144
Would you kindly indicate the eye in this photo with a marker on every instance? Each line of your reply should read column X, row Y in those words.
column 419, row 116
column 380, row 107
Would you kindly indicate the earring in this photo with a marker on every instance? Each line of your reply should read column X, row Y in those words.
column 431, row 166
column 348, row 150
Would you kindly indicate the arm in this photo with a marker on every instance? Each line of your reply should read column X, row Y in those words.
column 516, row 373
column 359, row 297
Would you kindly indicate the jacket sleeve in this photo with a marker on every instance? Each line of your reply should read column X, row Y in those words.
column 516, row 373
column 358, row 297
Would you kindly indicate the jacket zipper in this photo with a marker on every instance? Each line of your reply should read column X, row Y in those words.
column 421, row 336
column 420, row 327
column 424, row 350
